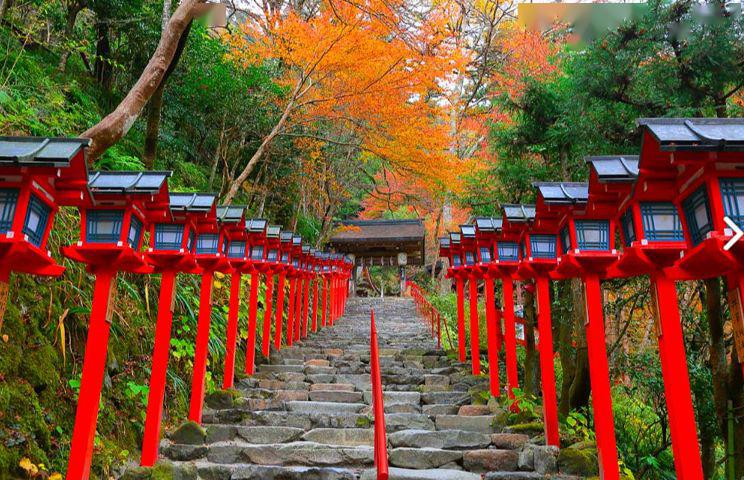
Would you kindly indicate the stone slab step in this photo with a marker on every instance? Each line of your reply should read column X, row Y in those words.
column 341, row 436
column 423, row 458
column 442, row 439
column 432, row 474
column 336, row 387
column 481, row 423
column 337, row 396
column 392, row 397
column 244, row 471
column 294, row 453
column 325, row 407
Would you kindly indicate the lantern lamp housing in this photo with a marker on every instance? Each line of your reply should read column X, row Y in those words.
column 37, row 175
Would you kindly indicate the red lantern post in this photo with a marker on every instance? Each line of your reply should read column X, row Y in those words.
column 115, row 209
column 170, row 252
column 587, row 243
column 538, row 258
column 457, row 271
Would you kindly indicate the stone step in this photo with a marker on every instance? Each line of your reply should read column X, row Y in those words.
column 392, row 397
column 341, row 436
column 442, row 439
column 338, row 387
column 482, row 423
column 423, row 458
column 336, row 396
column 432, row 474
column 325, row 407
column 245, row 471
column 293, row 453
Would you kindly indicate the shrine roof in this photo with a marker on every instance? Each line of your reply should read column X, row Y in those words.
column 192, row 202
column 40, row 151
column 230, row 213
column 567, row 193
column 127, row 182
column 696, row 133
column 518, row 213
column 256, row 225
column 614, row 168
column 356, row 231
column 488, row 224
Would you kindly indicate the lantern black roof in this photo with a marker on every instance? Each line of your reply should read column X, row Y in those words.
column 296, row 240
column 444, row 242
column 286, row 236
column 127, row 182
column 230, row 213
column 696, row 133
column 192, row 202
column 615, row 168
column 274, row 231
column 488, row 224
column 256, row 225
column 306, row 249
column 467, row 231
column 40, row 151
column 518, row 212
column 455, row 237
column 563, row 192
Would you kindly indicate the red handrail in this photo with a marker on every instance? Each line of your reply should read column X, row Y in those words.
column 378, row 407
column 429, row 313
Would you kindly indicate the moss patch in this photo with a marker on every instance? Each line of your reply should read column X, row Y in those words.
column 578, row 459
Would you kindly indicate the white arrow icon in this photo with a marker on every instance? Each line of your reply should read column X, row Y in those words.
column 738, row 233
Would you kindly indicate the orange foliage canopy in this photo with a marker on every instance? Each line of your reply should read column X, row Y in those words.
column 360, row 70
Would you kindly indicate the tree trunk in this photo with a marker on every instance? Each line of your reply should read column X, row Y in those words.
column 265, row 144
column 116, row 124
column 532, row 362
column 4, row 6
column 73, row 9
column 580, row 388
column 102, row 66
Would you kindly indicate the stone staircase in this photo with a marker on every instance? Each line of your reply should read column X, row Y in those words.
column 306, row 414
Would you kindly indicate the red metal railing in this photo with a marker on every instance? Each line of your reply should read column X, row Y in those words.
column 378, row 407
column 430, row 314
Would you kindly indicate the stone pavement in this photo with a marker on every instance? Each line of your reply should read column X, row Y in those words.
column 306, row 413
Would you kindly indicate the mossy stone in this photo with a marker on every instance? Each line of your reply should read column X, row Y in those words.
column 363, row 422
column 189, row 433
column 40, row 367
column 137, row 473
column 529, row 428
column 220, row 399
column 578, row 461
column 11, row 356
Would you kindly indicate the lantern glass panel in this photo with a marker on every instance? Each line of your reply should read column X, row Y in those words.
column 732, row 191
column 697, row 214
column 207, row 244
column 236, row 249
column 456, row 260
column 135, row 231
column 273, row 255
column 522, row 249
column 285, row 257
column 168, row 237
column 190, row 242
column 8, row 202
column 661, row 222
column 470, row 258
column 37, row 218
column 628, row 225
column 223, row 250
column 565, row 239
column 295, row 263
column 485, row 254
column 593, row 234
column 103, row 226
column 257, row 252
column 543, row 246
column 508, row 251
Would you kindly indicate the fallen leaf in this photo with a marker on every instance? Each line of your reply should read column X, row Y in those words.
column 28, row 467
column 5, row 338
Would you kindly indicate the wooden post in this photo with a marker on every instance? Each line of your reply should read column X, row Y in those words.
column 265, row 339
column 250, row 346
column 599, row 377
column 290, row 311
column 510, row 336
column 474, row 331
column 279, row 311
column 158, row 373
column 94, row 367
column 201, row 351
column 493, row 340
column 315, row 305
column 683, row 429
column 547, row 367
column 461, row 318
column 232, row 331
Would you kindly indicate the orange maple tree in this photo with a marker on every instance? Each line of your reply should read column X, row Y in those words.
column 360, row 69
